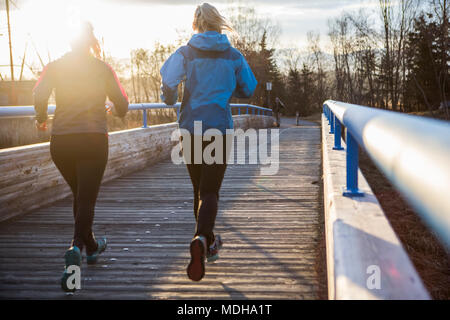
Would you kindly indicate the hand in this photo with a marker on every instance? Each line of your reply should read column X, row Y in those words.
column 109, row 106
column 41, row 126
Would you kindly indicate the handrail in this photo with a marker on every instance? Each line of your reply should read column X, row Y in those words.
column 28, row 111
column 412, row 152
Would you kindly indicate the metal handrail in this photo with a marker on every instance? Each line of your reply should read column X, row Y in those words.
column 412, row 152
column 28, row 111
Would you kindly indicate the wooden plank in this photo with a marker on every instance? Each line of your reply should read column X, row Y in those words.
column 269, row 226
column 28, row 172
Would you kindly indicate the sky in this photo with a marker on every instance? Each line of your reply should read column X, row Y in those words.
column 46, row 25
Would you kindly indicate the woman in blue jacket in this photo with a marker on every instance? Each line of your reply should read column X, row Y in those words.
column 213, row 72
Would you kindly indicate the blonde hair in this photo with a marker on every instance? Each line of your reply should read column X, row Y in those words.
column 208, row 18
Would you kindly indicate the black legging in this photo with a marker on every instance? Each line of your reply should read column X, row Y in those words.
column 81, row 158
column 206, row 180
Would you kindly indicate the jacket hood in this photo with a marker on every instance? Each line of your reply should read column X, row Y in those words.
column 210, row 41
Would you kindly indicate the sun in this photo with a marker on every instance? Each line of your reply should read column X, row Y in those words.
column 45, row 28
column 50, row 24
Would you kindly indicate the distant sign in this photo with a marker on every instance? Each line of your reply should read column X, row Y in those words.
column 269, row 86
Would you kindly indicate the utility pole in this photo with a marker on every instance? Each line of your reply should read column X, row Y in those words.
column 10, row 45
column 23, row 61
column 13, row 98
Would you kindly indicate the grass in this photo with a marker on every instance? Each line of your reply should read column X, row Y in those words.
column 430, row 258
column 19, row 132
column 437, row 114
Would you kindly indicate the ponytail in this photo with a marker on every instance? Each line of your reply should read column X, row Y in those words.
column 208, row 18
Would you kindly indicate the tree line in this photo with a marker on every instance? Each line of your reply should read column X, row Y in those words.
column 394, row 56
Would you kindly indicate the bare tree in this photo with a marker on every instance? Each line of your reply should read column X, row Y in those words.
column 318, row 61
column 145, row 66
column 250, row 28
column 342, row 49
column 291, row 58
column 397, row 18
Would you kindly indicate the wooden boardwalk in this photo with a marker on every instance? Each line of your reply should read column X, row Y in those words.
column 269, row 226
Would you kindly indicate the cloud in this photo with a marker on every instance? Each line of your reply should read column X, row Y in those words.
column 302, row 4
column 160, row 2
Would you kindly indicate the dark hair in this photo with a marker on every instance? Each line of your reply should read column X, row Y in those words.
column 86, row 40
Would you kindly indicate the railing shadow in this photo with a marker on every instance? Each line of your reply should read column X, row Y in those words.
column 146, row 268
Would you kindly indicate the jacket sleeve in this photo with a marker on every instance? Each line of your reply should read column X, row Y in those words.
column 116, row 93
column 245, row 80
column 42, row 91
column 172, row 73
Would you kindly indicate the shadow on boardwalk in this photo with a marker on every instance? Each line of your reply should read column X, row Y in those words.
column 269, row 225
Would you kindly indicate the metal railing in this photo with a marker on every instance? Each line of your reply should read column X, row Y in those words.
column 412, row 152
column 28, row 111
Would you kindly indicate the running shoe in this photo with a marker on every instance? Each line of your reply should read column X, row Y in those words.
column 196, row 268
column 213, row 250
column 101, row 246
column 72, row 257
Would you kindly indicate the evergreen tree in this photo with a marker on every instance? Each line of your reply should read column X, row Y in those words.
column 425, row 85
column 307, row 88
column 271, row 73
column 294, row 95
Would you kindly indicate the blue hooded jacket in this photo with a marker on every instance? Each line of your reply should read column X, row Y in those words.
column 213, row 72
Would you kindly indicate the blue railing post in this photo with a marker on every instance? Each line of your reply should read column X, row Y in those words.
column 331, row 122
column 144, row 118
column 337, row 135
column 251, row 110
column 352, row 168
column 178, row 113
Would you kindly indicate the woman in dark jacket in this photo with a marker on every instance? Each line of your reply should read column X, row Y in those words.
column 79, row 140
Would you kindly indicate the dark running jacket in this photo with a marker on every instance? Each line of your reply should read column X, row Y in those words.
column 81, row 84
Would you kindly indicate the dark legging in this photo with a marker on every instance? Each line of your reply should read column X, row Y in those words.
column 81, row 158
column 206, row 180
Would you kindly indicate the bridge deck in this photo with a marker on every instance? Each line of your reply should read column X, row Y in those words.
column 269, row 226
